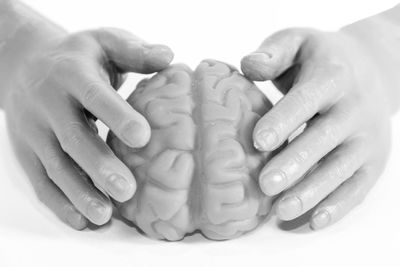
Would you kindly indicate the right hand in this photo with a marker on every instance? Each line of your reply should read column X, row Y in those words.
column 51, row 108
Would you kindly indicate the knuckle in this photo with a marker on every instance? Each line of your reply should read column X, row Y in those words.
column 338, row 68
column 67, row 210
column 84, row 199
column 358, row 186
column 340, row 169
column 299, row 157
column 53, row 161
column 328, row 132
column 269, row 120
column 62, row 60
column 334, row 67
column 276, row 119
column 348, row 113
column 358, row 194
column 103, row 167
column 102, row 31
column 338, row 73
column 304, row 100
column 91, row 93
column 72, row 136
column 63, row 63
column 40, row 93
column 116, row 33
column 288, row 31
column 78, row 40
column 41, row 191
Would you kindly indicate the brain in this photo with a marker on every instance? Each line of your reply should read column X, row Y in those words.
column 199, row 171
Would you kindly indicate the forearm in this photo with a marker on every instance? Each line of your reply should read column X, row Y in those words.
column 22, row 32
column 380, row 34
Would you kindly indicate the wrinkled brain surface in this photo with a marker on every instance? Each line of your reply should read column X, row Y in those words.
column 199, row 171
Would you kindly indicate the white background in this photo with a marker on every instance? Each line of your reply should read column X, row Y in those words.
column 31, row 236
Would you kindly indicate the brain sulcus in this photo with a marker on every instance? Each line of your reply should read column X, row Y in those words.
column 199, row 172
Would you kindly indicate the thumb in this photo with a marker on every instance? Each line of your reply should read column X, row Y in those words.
column 131, row 54
column 275, row 55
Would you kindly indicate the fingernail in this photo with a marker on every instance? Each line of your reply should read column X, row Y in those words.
column 289, row 208
column 76, row 220
column 266, row 140
column 97, row 212
column 259, row 57
column 118, row 186
column 132, row 134
column 256, row 66
column 159, row 56
column 320, row 219
column 273, row 182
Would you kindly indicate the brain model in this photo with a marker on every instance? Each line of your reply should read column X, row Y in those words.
column 199, row 171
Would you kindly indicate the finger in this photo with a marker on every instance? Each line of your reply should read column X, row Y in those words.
column 90, row 152
column 336, row 168
column 323, row 135
column 343, row 200
column 92, row 125
column 130, row 53
column 287, row 79
column 318, row 88
column 275, row 55
column 102, row 101
column 114, row 75
column 119, row 81
column 73, row 182
column 47, row 191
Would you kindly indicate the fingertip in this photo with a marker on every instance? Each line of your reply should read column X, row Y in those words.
column 98, row 212
column 320, row 219
column 255, row 66
column 76, row 220
column 265, row 139
column 121, row 188
column 158, row 57
column 272, row 182
column 289, row 208
column 136, row 134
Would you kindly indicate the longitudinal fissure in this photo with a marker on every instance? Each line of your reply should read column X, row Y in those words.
column 195, row 191
column 195, row 172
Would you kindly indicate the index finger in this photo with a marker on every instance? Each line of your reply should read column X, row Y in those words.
column 106, row 104
column 319, row 86
column 97, row 96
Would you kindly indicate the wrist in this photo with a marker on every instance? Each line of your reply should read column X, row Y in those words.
column 378, row 38
column 24, row 34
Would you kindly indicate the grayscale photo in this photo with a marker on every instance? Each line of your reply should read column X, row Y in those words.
column 199, row 133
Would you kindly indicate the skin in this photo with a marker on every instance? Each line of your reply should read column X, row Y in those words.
column 54, row 88
column 343, row 87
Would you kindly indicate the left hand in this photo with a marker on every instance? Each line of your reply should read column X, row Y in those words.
column 334, row 84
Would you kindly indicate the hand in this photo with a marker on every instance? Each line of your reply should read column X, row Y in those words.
column 332, row 83
column 50, row 112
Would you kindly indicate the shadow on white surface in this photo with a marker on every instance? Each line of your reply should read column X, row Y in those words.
column 299, row 225
column 372, row 229
column 27, row 215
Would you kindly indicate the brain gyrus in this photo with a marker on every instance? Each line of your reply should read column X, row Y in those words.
column 199, row 172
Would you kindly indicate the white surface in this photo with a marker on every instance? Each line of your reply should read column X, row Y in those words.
column 31, row 236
